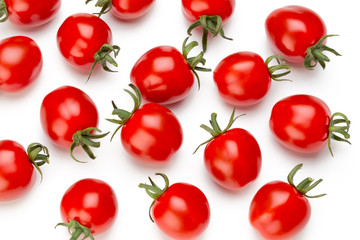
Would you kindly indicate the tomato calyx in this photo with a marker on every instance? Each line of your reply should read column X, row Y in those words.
column 76, row 229
column 280, row 66
column 305, row 185
column 105, row 5
column 215, row 129
column 4, row 14
column 342, row 129
column 123, row 114
column 102, row 57
column 209, row 24
column 154, row 191
column 84, row 138
column 37, row 159
column 194, row 61
column 314, row 54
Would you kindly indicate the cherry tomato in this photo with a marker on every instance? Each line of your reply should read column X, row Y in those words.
column 150, row 133
column 194, row 9
column 89, row 206
column 17, row 174
column 232, row 156
column 281, row 210
column 29, row 13
column 243, row 78
column 83, row 36
column 181, row 210
column 293, row 31
column 303, row 123
column 20, row 63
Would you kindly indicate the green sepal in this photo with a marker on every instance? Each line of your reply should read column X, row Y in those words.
column 280, row 66
column 154, row 191
column 335, row 130
column 76, row 229
column 215, row 129
column 103, row 57
column 4, row 14
column 37, row 159
column 305, row 185
column 84, row 138
column 314, row 54
column 105, row 5
column 124, row 115
column 209, row 24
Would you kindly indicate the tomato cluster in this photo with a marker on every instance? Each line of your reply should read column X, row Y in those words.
column 151, row 133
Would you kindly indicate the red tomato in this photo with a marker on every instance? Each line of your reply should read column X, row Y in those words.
column 92, row 203
column 243, row 78
column 181, row 210
column 280, row 210
column 162, row 75
column 20, row 63
column 17, row 173
column 65, row 111
column 194, row 9
column 232, row 157
column 292, row 30
column 130, row 9
column 303, row 123
column 150, row 133
column 81, row 36
column 29, row 13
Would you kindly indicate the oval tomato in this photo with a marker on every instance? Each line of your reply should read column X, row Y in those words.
column 89, row 206
column 194, row 9
column 29, row 13
column 232, row 157
column 303, row 123
column 280, row 210
column 20, row 63
column 181, row 210
column 297, row 34
column 243, row 78
column 17, row 172
column 150, row 133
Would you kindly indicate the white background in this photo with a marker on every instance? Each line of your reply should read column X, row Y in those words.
column 334, row 216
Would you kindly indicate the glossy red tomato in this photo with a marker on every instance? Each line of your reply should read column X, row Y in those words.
column 30, row 13
column 194, row 9
column 20, row 63
column 92, row 203
column 150, row 133
column 130, row 9
column 181, row 210
column 162, row 75
column 303, row 123
column 64, row 111
column 243, row 78
column 80, row 36
column 17, row 169
column 291, row 30
column 281, row 210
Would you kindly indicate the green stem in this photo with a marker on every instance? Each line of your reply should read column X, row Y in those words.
column 280, row 66
column 4, row 14
column 76, row 229
column 105, row 5
column 37, row 159
column 335, row 130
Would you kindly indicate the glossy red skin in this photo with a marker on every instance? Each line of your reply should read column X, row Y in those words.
column 194, row 9
column 64, row 111
column 301, row 123
column 182, row 212
column 130, row 9
column 20, row 63
column 279, row 211
column 242, row 79
column 32, row 13
column 153, row 134
column 162, row 75
column 92, row 203
column 292, row 29
column 17, row 174
column 233, row 159
column 80, row 36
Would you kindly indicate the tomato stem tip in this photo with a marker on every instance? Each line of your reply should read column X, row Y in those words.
column 76, row 229
column 4, row 14
column 105, row 5
column 37, row 159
